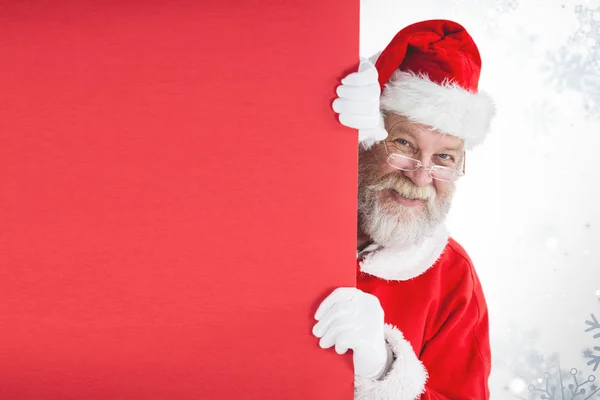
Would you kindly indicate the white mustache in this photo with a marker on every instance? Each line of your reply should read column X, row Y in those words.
column 405, row 188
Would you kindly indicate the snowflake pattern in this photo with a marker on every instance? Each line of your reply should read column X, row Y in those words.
column 589, row 28
column 563, row 385
column 490, row 10
column 576, row 65
column 496, row 8
column 517, row 353
column 564, row 69
column 591, row 355
column 556, row 383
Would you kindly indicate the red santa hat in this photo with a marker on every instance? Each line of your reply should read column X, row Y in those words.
column 430, row 73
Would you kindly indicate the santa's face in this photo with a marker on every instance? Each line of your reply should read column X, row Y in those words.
column 397, row 207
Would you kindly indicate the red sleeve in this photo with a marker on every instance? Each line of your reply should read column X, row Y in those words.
column 458, row 357
column 454, row 361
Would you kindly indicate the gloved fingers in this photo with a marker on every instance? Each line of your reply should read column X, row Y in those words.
column 366, row 74
column 341, row 105
column 365, row 64
column 338, row 295
column 346, row 340
column 376, row 134
column 359, row 93
column 337, row 312
column 340, row 348
column 359, row 121
column 330, row 337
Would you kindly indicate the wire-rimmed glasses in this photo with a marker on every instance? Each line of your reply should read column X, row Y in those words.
column 438, row 172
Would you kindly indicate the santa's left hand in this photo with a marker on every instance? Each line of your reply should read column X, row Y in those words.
column 352, row 319
column 358, row 104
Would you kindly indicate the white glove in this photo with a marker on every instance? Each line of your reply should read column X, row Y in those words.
column 358, row 103
column 352, row 319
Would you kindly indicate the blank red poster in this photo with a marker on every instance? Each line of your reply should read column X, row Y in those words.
column 176, row 198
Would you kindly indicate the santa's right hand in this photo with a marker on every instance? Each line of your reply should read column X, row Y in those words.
column 358, row 103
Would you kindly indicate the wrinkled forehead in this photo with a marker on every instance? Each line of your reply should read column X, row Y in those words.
column 398, row 125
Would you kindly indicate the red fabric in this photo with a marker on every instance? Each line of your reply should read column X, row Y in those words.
column 169, row 172
column 442, row 49
column 443, row 314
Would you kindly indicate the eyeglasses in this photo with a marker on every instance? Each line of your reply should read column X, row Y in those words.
column 437, row 172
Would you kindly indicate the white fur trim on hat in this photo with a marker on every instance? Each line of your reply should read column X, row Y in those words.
column 447, row 108
column 404, row 381
column 401, row 264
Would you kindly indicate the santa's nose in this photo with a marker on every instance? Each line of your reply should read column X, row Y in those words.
column 420, row 177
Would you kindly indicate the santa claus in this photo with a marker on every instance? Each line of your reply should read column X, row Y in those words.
column 417, row 321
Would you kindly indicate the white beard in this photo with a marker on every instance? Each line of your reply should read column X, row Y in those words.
column 390, row 224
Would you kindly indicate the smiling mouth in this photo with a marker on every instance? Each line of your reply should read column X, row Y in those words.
column 408, row 197
column 405, row 201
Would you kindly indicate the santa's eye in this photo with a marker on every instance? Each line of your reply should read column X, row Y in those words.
column 403, row 142
column 446, row 160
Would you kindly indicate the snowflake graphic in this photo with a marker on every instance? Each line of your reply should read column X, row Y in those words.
column 594, row 358
column 564, row 69
column 516, row 352
column 576, row 65
column 556, row 383
column 490, row 10
column 589, row 28
column 496, row 8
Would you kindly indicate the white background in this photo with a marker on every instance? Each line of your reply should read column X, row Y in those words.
column 528, row 211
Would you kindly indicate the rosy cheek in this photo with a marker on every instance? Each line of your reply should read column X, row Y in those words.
column 442, row 187
column 387, row 168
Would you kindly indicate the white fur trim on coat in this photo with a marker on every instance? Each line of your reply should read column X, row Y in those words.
column 401, row 264
column 404, row 381
column 447, row 108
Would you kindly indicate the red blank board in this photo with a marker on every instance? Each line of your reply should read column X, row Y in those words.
column 176, row 197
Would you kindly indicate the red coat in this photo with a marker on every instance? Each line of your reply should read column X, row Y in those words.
column 437, row 325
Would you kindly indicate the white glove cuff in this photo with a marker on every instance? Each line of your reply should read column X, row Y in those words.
column 405, row 379
column 386, row 367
